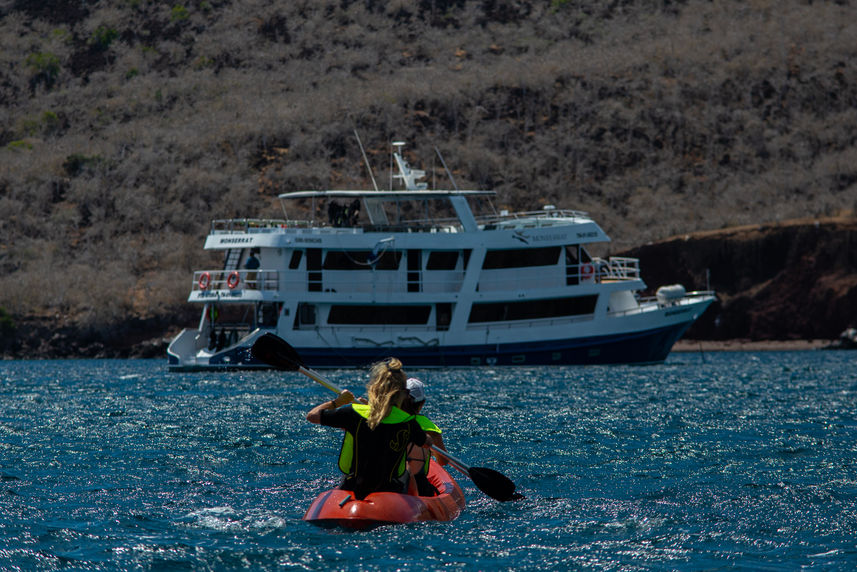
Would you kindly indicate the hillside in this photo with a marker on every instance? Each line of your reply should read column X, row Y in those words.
column 125, row 127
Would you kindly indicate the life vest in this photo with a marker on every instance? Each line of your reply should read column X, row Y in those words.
column 427, row 424
column 346, row 452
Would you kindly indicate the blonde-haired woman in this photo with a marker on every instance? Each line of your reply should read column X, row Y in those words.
column 377, row 434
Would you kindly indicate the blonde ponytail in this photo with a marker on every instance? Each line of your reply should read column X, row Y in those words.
column 386, row 388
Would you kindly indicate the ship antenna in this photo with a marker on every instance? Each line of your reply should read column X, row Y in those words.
column 451, row 178
column 366, row 160
column 449, row 174
column 397, row 148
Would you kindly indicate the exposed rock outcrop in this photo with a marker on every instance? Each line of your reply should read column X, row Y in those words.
column 792, row 280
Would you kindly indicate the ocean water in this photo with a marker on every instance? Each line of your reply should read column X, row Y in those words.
column 710, row 461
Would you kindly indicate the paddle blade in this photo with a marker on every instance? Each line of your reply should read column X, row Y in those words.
column 275, row 351
column 493, row 483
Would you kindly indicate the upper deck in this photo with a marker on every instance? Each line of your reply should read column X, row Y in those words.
column 414, row 209
column 237, row 233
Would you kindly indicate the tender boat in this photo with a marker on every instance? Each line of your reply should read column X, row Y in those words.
column 338, row 507
column 436, row 277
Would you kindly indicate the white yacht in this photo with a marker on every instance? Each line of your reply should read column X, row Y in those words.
column 433, row 277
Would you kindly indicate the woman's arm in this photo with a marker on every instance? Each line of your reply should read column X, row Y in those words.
column 344, row 398
column 438, row 442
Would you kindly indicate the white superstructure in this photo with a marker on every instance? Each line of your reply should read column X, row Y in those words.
column 434, row 277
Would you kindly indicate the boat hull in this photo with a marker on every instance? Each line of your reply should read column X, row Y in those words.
column 646, row 346
column 339, row 508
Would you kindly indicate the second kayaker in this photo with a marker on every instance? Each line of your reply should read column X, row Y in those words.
column 418, row 457
column 377, row 434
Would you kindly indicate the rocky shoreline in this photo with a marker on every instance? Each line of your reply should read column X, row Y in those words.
column 44, row 338
column 740, row 345
column 62, row 346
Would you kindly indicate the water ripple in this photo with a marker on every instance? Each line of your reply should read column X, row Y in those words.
column 705, row 462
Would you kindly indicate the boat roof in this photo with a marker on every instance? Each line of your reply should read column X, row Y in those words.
column 398, row 194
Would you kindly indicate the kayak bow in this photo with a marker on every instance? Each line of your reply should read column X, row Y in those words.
column 338, row 507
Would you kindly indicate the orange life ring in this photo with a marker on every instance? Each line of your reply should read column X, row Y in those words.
column 233, row 280
column 204, row 280
column 587, row 271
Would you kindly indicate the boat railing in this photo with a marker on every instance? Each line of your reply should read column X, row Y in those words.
column 651, row 303
column 535, row 322
column 433, row 224
column 251, row 225
column 504, row 216
column 494, row 281
column 227, row 334
column 233, row 280
column 617, row 268
column 700, row 294
column 417, row 225
column 688, row 298
column 333, row 281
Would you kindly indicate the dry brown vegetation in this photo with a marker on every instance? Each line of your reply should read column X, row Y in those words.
column 127, row 125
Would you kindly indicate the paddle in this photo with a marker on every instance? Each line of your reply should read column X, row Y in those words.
column 277, row 352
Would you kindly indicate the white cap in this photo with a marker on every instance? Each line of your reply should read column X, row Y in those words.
column 417, row 389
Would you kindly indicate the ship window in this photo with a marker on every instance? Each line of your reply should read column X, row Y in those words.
column 414, row 263
column 442, row 260
column 521, row 257
column 378, row 315
column 295, row 262
column 443, row 316
column 268, row 313
column 533, row 309
column 306, row 314
column 313, row 266
column 571, row 257
column 360, row 260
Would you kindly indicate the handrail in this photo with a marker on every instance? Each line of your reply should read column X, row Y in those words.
column 362, row 282
column 542, row 214
column 210, row 280
column 251, row 225
column 651, row 303
column 618, row 268
column 248, row 225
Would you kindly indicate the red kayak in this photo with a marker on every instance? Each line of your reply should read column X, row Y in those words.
column 338, row 507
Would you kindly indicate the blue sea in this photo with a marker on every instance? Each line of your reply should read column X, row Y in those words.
column 732, row 460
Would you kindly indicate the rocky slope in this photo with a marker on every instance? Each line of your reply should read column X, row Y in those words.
column 793, row 280
column 125, row 127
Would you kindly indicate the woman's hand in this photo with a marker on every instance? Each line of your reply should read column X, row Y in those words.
column 314, row 416
column 343, row 398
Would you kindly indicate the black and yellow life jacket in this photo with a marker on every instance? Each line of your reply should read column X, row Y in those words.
column 346, row 452
column 427, row 424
